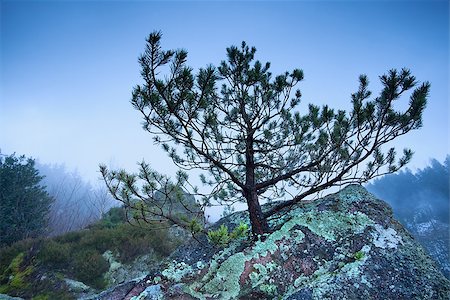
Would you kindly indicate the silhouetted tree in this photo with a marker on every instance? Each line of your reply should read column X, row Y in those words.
column 242, row 125
column 410, row 193
column 24, row 203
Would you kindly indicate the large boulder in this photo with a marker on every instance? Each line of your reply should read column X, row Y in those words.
column 343, row 246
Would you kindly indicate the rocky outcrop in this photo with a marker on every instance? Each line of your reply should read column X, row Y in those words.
column 432, row 233
column 343, row 246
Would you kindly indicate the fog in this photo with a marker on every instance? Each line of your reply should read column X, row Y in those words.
column 415, row 196
column 76, row 202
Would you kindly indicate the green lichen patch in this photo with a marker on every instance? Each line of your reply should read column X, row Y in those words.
column 322, row 281
column 226, row 280
column 224, row 276
column 330, row 249
column 176, row 271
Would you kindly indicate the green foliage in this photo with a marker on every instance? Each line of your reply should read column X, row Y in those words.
column 195, row 227
column 114, row 216
column 77, row 255
column 15, row 276
column 359, row 255
column 219, row 237
column 24, row 203
column 54, row 254
column 243, row 126
column 239, row 231
column 90, row 266
column 222, row 237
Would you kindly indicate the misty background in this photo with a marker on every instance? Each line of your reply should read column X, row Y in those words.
column 77, row 203
column 420, row 201
column 67, row 69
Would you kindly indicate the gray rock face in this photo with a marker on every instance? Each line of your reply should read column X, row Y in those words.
column 119, row 273
column 6, row 297
column 432, row 234
column 343, row 246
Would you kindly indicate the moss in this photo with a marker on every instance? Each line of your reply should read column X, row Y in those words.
column 326, row 224
column 16, row 275
column 354, row 193
column 222, row 278
column 330, row 225
column 261, row 274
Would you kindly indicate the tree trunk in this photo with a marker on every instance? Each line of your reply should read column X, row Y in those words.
column 257, row 220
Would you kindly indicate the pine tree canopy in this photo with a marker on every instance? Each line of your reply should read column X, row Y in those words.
column 24, row 202
column 255, row 140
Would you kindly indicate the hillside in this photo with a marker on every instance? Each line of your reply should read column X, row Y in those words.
column 83, row 262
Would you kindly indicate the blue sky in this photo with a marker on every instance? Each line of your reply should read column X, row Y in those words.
column 68, row 67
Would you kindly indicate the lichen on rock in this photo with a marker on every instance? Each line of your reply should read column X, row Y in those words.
column 343, row 246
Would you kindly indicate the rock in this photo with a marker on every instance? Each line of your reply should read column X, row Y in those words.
column 77, row 286
column 343, row 246
column 6, row 297
column 432, row 233
column 425, row 215
column 152, row 292
column 119, row 273
column 118, row 292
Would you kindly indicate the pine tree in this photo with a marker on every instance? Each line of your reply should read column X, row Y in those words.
column 24, row 203
column 243, row 126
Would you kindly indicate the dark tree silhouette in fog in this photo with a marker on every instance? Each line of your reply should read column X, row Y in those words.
column 24, row 202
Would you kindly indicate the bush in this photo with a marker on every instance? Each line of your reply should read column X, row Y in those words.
column 76, row 255
column 70, row 237
column 221, row 237
column 54, row 254
column 89, row 267
column 7, row 254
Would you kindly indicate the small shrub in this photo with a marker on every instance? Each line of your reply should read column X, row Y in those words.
column 221, row 236
column 89, row 267
column 358, row 255
column 7, row 254
column 54, row 254
column 51, row 295
column 115, row 216
column 100, row 239
column 241, row 231
column 70, row 237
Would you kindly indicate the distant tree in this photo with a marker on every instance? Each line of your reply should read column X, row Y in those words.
column 409, row 192
column 24, row 203
column 243, row 126
column 77, row 203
